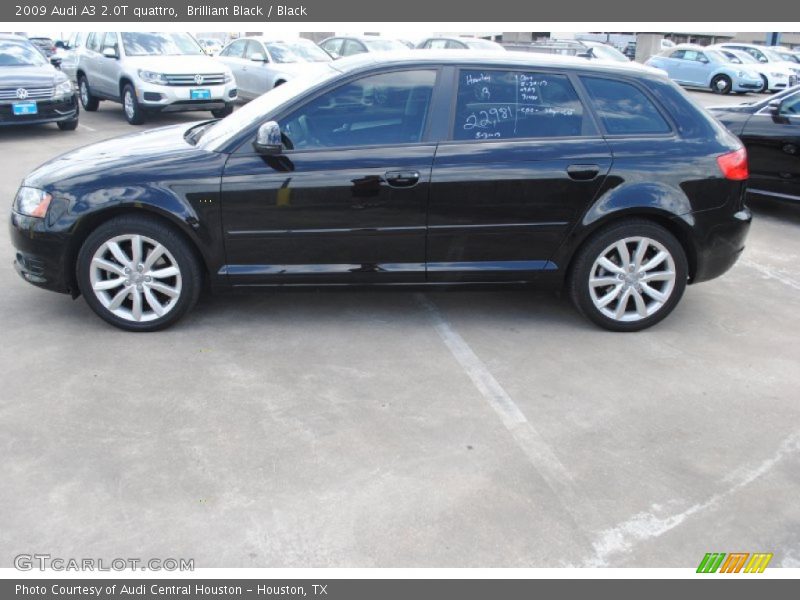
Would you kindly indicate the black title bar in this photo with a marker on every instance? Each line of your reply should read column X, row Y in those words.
column 451, row 11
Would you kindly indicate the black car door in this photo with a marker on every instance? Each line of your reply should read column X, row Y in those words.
column 523, row 160
column 346, row 202
column 773, row 148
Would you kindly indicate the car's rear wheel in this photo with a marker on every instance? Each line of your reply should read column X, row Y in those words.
column 765, row 88
column 138, row 273
column 721, row 84
column 88, row 101
column 629, row 276
column 134, row 112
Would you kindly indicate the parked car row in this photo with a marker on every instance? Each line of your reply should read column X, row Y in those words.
column 728, row 67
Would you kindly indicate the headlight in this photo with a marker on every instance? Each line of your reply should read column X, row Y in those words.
column 152, row 77
column 63, row 89
column 796, row 71
column 778, row 74
column 32, row 202
column 228, row 77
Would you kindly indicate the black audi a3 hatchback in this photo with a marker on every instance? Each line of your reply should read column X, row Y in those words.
column 447, row 169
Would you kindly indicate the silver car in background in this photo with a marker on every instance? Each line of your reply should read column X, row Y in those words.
column 262, row 63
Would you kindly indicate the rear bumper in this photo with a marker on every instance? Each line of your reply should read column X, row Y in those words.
column 721, row 242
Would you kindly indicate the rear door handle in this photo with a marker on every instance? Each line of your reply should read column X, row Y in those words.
column 402, row 178
column 583, row 172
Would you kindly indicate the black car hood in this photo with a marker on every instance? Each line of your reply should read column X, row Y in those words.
column 30, row 76
column 154, row 150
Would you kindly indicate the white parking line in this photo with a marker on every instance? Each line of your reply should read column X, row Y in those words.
column 648, row 525
column 82, row 126
column 529, row 440
column 770, row 274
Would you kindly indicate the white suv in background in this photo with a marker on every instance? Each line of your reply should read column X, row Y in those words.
column 149, row 72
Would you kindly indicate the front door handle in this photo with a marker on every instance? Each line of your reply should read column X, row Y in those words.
column 402, row 178
column 583, row 172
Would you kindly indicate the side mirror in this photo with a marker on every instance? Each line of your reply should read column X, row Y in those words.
column 258, row 57
column 62, row 45
column 56, row 62
column 110, row 53
column 774, row 107
column 268, row 139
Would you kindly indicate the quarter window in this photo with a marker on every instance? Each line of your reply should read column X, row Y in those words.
column 516, row 104
column 385, row 109
column 624, row 108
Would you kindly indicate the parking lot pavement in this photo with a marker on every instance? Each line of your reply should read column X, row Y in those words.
column 482, row 428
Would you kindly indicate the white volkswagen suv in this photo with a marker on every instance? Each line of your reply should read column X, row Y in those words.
column 150, row 72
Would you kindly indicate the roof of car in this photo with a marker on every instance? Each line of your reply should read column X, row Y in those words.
column 489, row 59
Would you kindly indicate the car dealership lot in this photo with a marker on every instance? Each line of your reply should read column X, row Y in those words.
column 480, row 428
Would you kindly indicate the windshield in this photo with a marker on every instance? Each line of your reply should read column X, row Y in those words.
column 138, row 43
column 788, row 57
column 19, row 54
column 477, row 44
column 772, row 55
column 216, row 136
column 384, row 45
column 293, row 52
column 736, row 57
column 609, row 53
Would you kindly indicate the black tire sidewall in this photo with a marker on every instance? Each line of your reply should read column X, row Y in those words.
column 588, row 253
column 191, row 276
column 221, row 113
column 728, row 85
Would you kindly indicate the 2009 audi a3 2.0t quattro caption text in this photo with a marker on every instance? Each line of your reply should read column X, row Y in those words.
column 456, row 168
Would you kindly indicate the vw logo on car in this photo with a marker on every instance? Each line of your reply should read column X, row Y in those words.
column 22, row 93
column 198, row 79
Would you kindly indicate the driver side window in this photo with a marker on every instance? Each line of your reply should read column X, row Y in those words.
column 386, row 109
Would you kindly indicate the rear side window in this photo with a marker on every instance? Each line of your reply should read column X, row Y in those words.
column 623, row 108
column 516, row 104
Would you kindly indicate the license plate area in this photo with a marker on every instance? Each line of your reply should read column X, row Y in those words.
column 24, row 108
column 200, row 94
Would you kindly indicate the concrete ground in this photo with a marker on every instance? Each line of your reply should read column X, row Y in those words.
column 399, row 429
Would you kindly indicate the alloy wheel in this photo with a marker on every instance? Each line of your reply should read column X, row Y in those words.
column 632, row 279
column 135, row 278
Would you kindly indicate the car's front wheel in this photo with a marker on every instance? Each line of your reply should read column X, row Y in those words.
column 629, row 276
column 221, row 113
column 721, row 84
column 138, row 273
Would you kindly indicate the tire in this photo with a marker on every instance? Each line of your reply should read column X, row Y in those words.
column 765, row 87
column 129, row 293
column 221, row 113
column 134, row 113
column 88, row 101
column 278, row 83
column 68, row 125
column 600, row 303
column 721, row 84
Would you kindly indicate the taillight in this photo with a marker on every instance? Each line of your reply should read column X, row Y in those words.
column 734, row 165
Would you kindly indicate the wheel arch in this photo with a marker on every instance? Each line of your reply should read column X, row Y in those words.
column 663, row 205
column 90, row 222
